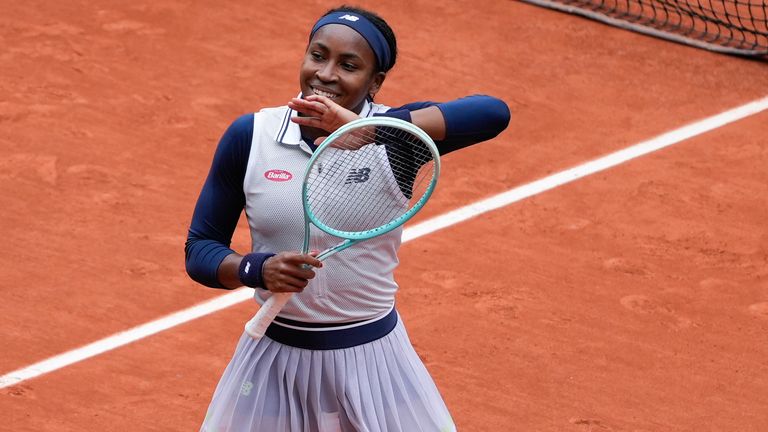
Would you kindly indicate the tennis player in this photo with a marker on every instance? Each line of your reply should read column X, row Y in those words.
column 337, row 358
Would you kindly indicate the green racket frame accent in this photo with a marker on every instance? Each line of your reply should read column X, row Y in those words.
column 354, row 237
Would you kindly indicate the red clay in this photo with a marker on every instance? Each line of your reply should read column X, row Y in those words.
column 632, row 300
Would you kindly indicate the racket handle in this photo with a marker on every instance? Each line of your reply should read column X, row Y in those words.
column 266, row 314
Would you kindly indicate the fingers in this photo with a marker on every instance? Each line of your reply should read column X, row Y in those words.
column 312, row 108
column 313, row 114
column 321, row 99
column 289, row 271
column 320, row 112
column 314, row 122
column 311, row 258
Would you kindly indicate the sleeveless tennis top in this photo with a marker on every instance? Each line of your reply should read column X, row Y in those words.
column 354, row 284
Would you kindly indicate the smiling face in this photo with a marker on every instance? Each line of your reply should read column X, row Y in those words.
column 339, row 64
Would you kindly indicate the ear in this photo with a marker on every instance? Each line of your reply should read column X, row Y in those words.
column 376, row 83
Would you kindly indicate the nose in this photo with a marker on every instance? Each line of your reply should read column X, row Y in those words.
column 326, row 72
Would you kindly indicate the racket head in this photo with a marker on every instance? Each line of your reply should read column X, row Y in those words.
column 369, row 177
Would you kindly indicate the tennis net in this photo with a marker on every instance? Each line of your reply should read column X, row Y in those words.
column 729, row 26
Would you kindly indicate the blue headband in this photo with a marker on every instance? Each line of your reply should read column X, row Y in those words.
column 367, row 30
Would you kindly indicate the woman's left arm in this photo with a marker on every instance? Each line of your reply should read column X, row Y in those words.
column 453, row 125
column 459, row 123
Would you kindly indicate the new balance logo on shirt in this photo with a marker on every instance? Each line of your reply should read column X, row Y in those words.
column 357, row 175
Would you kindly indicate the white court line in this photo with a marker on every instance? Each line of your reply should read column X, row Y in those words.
column 577, row 172
column 410, row 233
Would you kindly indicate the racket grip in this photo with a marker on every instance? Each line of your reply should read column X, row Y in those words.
column 257, row 326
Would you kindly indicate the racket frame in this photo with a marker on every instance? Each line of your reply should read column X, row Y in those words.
column 353, row 237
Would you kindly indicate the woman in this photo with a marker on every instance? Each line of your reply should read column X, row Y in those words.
column 337, row 358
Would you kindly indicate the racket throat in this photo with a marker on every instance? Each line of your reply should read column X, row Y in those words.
column 327, row 252
column 335, row 249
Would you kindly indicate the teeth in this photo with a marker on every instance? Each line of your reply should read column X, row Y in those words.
column 326, row 94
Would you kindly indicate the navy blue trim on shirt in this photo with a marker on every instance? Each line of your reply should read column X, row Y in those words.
column 333, row 339
column 284, row 125
column 290, row 322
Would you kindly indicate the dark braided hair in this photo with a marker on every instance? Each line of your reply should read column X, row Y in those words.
column 380, row 24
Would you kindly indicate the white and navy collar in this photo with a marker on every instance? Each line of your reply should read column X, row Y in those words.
column 290, row 132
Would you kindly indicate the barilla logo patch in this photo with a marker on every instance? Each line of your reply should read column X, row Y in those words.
column 278, row 175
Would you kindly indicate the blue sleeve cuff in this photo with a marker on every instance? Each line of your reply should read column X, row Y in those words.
column 202, row 260
column 250, row 271
column 402, row 114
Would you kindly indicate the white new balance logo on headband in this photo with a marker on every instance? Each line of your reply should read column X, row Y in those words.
column 349, row 18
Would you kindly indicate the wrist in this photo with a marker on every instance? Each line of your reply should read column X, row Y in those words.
column 250, row 269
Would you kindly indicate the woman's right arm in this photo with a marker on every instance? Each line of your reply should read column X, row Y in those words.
column 209, row 259
column 218, row 209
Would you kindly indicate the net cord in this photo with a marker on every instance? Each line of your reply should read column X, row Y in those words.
column 640, row 27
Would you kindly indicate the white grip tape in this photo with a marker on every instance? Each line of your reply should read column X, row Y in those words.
column 257, row 326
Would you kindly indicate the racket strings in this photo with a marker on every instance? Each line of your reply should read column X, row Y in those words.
column 340, row 209
column 368, row 177
column 401, row 148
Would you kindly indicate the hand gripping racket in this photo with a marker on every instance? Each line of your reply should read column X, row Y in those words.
column 367, row 178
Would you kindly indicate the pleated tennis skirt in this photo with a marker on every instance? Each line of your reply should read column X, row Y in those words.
column 378, row 386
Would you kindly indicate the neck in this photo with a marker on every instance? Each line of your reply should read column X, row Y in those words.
column 311, row 134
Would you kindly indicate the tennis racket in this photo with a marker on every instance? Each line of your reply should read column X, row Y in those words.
column 367, row 178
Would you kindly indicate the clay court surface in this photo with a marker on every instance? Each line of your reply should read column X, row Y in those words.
column 635, row 299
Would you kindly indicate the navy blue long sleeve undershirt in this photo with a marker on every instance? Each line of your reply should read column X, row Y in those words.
column 468, row 121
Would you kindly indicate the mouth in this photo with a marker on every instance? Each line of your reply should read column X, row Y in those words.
column 320, row 92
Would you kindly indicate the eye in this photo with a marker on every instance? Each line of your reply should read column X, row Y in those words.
column 316, row 55
column 349, row 66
